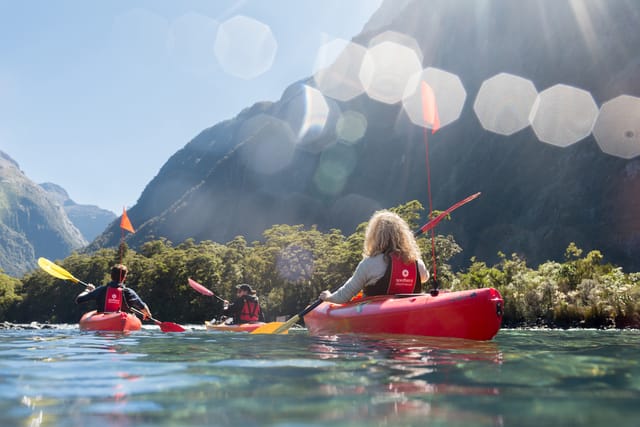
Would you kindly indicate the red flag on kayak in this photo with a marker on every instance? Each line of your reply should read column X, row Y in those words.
column 429, row 107
column 125, row 224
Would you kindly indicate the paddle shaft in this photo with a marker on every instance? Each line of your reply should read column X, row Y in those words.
column 202, row 290
column 135, row 310
column 433, row 222
column 164, row 326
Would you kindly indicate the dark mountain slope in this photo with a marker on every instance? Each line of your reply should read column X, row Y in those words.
column 536, row 197
column 89, row 219
column 32, row 223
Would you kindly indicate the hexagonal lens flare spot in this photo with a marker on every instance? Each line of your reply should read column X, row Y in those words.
column 340, row 80
column 563, row 115
column 434, row 95
column 386, row 70
column 617, row 128
column 268, row 144
column 245, row 47
column 504, row 102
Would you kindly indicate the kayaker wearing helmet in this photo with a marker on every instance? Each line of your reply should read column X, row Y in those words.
column 113, row 296
column 245, row 308
column 391, row 265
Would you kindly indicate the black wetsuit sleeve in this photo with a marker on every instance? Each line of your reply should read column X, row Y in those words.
column 132, row 299
column 96, row 295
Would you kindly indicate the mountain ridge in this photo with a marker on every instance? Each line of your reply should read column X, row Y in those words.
column 537, row 198
column 34, row 220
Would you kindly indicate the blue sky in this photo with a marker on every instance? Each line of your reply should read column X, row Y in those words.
column 95, row 96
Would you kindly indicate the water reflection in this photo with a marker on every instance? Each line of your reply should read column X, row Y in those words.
column 405, row 377
column 523, row 378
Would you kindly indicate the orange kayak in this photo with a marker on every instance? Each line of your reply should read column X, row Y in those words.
column 471, row 314
column 118, row 322
column 243, row 327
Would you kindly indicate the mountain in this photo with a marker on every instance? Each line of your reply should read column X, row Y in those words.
column 32, row 223
column 89, row 219
column 332, row 162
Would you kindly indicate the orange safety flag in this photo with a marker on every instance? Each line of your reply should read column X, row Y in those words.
column 429, row 107
column 125, row 224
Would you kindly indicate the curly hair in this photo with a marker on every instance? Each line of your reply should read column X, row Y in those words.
column 387, row 233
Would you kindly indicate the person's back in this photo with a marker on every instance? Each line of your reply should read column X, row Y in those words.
column 245, row 307
column 392, row 261
column 114, row 296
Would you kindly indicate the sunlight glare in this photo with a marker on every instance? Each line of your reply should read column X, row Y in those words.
column 449, row 93
column 386, row 69
column 563, row 115
column 336, row 165
column 245, row 47
column 269, row 144
column 504, row 102
column 351, row 126
column 617, row 128
column 341, row 80
column 400, row 39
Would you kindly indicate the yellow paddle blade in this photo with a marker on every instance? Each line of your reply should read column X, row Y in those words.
column 267, row 328
column 55, row 270
column 277, row 327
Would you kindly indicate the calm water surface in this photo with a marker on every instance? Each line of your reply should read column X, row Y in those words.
column 64, row 377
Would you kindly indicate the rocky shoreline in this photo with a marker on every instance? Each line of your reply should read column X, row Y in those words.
column 32, row 325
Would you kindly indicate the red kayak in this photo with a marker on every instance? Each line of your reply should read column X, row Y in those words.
column 472, row 314
column 118, row 322
column 242, row 327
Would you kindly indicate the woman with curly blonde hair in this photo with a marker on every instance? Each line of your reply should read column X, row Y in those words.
column 391, row 261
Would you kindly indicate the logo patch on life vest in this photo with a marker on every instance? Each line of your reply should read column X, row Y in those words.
column 113, row 301
column 403, row 277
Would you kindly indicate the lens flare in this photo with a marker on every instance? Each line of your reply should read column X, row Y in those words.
column 448, row 91
column 336, row 165
column 386, row 69
column 269, row 144
column 341, row 80
column 351, row 126
column 245, row 47
column 563, row 115
column 504, row 102
column 617, row 128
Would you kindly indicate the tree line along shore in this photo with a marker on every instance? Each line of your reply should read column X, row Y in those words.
column 292, row 264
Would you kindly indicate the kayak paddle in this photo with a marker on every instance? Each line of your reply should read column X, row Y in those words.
column 280, row 327
column 56, row 271
column 432, row 223
column 201, row 289
column 164, row 326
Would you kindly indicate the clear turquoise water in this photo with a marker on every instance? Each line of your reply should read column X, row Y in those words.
column 64, row 377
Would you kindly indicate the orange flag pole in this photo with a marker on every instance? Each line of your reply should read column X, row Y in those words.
column 125, row 224
column 431, row 118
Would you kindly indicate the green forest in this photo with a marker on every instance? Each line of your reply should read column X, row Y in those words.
column 292, row 264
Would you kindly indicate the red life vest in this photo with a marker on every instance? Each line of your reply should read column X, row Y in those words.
column 250, row 311
column 403, row 276
column 399, row 278
column 113, row 300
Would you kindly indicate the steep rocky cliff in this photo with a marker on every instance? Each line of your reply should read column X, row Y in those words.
column 32, row 223
column 273, row 164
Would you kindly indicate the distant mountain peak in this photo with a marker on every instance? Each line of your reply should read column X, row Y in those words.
column 40, row 220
